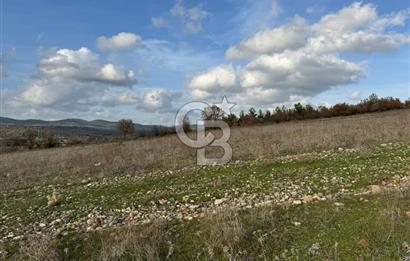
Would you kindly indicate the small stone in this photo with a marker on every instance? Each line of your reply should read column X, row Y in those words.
column 42, row 225
column 129, row 218
column 54, row 199
column 408, row 214
column 307, row 199
column 375, row 189
column 219, row 201
column 297, row 223
column 297, row 202
column 339, row 205
column 17, row 238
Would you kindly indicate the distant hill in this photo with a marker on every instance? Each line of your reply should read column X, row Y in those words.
column 79, row 126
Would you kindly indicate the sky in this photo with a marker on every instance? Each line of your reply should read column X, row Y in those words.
column 145, row 59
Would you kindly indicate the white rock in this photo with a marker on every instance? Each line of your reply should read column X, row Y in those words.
column 220, row 201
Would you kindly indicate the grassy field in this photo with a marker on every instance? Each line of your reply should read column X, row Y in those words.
column 340, row 195
column 142, row 156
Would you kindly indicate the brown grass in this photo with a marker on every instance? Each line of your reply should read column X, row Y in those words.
column 22, row 169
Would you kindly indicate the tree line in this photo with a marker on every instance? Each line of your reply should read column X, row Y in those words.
column 304, row 112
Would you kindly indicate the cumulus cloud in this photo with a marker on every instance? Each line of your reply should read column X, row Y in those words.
column 191, row 18
column 73, row 78
column 160, row 100
column 288, row 36
column 157, row 100
column 299, row 59
column 357, row 28
column 276, row 78
column 119, row 42
column 221, row 78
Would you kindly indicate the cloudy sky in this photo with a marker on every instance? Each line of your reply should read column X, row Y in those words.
column 143, row 59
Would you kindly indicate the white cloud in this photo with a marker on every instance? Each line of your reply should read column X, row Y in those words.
column 351, row 18
column 276, row 78
column 221, row 78
column 83, row 65
column 159, row 22
column 191, row 18
column 73, row 79
column 357, row 28
column 119, row 99
column 288, row 36
column 121, row 41
column 356, row 96
column 299, row 73
column 116, row 75
column 155, row 100
column 160, row 100
column 300, row 59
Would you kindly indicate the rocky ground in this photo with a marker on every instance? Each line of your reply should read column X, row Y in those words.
column 191, row 193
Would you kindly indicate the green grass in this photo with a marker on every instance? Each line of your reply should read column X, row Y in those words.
column 327, row 174
column 263, row 234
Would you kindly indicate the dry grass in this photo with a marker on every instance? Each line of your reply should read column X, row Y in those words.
column 22, row 169
column 38, row 248
column 371, row 228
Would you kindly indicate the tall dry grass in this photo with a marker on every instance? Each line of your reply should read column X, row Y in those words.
column 23, row 169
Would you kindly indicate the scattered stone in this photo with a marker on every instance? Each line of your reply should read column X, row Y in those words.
column 129, row 218
column 375, row 189
column 42, row 225
column 339, row 205
column 17, row 238
column 297, row 202
column 314, row 249
column 54, row 199
column 220, row 201
column 308, row 199
column 297, row 223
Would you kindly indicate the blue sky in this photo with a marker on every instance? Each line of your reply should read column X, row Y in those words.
column 144, row 59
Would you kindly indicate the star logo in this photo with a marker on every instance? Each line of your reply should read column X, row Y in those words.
column 225, row 105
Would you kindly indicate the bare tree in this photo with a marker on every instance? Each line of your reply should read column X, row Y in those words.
column 212, row 113
column 125, row 127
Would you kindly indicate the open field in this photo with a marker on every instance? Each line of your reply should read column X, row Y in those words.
column 335, row 189
column 73, row 164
